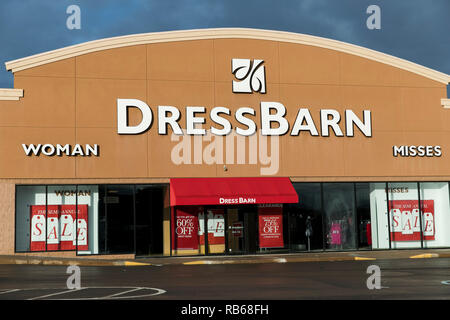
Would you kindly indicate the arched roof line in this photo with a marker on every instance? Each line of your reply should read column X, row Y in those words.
column 222, row 33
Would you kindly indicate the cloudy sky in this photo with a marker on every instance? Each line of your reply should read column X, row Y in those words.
column 415, row 30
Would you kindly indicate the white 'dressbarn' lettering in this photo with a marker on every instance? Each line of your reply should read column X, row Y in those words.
column 59, row 150
column 238, row 200
column 270, row 113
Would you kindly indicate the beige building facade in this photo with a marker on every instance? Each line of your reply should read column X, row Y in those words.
column 91, row 147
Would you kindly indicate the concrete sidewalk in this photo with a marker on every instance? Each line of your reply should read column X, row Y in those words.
column 235, row 259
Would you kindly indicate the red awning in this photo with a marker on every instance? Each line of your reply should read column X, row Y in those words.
column 231, row 191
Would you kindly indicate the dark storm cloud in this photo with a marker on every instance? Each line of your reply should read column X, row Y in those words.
column 416, row 30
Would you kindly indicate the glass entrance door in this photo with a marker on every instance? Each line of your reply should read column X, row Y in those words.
column 235, row 232
column 149, row 206
column 241, row 230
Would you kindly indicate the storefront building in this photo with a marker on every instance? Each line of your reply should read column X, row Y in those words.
column 222, row 141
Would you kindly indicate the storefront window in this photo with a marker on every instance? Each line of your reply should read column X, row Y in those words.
column 87, row 219
column 404, row 215
column 216, row 230
column 61, row 217
column 305, row 218
column 123, row 219
column 379, row 216
column 339, row 216
column 364, row 223
column 93, row 219
column 31, row 226
column 435, row 209
column 244, row 229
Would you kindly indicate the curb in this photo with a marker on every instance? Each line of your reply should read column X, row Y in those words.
column 133, row 264
column 189, row 261
column 425, row 256
column 70, row 262
column 316, row 259
column 275, row 260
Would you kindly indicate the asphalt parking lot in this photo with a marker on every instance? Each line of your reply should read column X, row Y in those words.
column 399, row 279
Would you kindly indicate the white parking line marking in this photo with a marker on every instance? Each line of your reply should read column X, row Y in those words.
column 9, row 291
column 158, row 292
column 120, row 293
column 57, row 293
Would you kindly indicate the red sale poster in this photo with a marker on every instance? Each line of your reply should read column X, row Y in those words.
column 186, row 228
column 270, row 226
column 82, row 227
column 52, row 227
column 59, row 227
column 67, row 222
column 405, row 220
column 37, row 228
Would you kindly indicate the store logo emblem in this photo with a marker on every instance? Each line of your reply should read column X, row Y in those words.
column 251, row 75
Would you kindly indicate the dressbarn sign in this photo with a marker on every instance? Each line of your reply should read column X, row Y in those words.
column 249, row 78
column 272, row 115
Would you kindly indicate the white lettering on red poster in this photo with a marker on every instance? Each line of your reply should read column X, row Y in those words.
column 82, row 234
column 61, row 224
column 270, row 226
column 82, row 227
column 37, row 228
column 186, row 228
column 52, row 228
column 67, row 221
column 405, row 220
